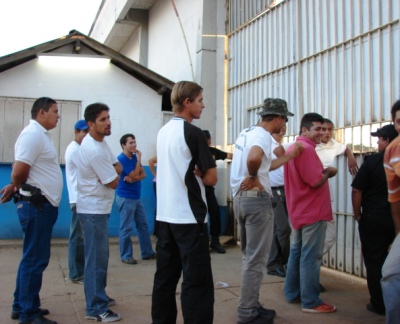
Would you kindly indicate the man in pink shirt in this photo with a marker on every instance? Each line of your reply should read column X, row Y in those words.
column 309, row 208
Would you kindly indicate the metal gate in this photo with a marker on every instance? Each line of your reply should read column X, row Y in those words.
column 337, row 58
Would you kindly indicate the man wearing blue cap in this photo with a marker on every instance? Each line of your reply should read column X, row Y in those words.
column 76, row 256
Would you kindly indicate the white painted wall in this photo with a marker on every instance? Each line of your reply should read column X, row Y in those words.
column 110, row 13
column 168, row 54
column 134, row 107
column 132, row 46
column 201, row 59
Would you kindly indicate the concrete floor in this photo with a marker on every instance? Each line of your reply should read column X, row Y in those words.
column 131, row 286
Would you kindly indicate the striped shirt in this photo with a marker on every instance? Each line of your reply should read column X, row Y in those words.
column 391, row 163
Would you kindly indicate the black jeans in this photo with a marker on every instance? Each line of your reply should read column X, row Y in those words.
column 183, row 248
column 376, row 234
column 213, row 211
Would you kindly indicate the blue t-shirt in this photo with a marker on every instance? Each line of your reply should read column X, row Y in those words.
column 126, row 189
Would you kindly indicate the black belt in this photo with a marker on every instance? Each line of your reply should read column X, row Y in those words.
column 278, row 188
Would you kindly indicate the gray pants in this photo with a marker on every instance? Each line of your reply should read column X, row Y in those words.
column 254, row 214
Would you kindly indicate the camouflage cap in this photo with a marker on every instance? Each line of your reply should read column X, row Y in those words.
column 273, row 106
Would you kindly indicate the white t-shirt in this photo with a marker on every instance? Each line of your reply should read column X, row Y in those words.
column 253, row 136
column 71, row 165
column 329, row 151
column 276, row 177
column 35, row 147
column 95, row 170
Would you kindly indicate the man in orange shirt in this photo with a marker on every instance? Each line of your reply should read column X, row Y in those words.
column 391, row 269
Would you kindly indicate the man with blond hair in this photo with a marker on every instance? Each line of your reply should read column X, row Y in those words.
column 185, row 166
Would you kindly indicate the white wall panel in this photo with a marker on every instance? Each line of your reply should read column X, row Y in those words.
column 338, row 58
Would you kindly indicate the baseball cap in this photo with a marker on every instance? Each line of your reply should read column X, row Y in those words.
column 273, row 106
column 81, row 125
column 387, row 131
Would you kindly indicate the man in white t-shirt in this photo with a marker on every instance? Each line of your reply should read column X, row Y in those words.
column 184, row 166
column 252, row 205
column 76, row 256
column 98, row 176
column 329, row 148
column 36, row 174
column 327, row 151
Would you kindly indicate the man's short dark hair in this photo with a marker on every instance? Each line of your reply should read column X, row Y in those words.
column 94, row 110
column 269, row 118
column 310, row 118
column 395, row 108
column 124, row 138
column 42, row 103
column 328, row 121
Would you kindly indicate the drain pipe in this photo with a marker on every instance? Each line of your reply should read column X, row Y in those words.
column 184, row 37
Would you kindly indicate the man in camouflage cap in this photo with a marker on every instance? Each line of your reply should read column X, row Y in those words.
column 273, row 106
column 252, row 160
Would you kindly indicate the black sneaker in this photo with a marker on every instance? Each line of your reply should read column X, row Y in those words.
column 40, row 320
column 106, row 317
column 372, row 309
column 216, row 245
column 259, row 319
column 266, row 312
column 15, row 314
column 111, row 301
column 129, row 261
column 151, row 257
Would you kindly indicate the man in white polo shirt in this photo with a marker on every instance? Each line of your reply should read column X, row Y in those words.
column 36, row 174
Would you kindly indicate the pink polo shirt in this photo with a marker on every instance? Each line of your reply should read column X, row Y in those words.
column 306, row 205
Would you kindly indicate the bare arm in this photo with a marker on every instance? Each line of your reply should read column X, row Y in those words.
column 118, row 168
column 253, row 164
column 281, row 160
column 351, row 161
column 279, row 151
column 152, row 162
column 329, row 172
column 395, row 206
column 229, row 156
column 20, row 173
column 135, row 173
column 356, row 198
column 210, row 177
column 113, row 184
column 7, row 192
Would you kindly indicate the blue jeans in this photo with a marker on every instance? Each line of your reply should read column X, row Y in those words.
column 303, row 269
column 37, row 226
column 76, row 248
column 256, row 221
column 95, row 235
column 391, row 283
column 132, row 213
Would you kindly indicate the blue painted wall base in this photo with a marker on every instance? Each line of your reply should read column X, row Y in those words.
column 10, row 228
